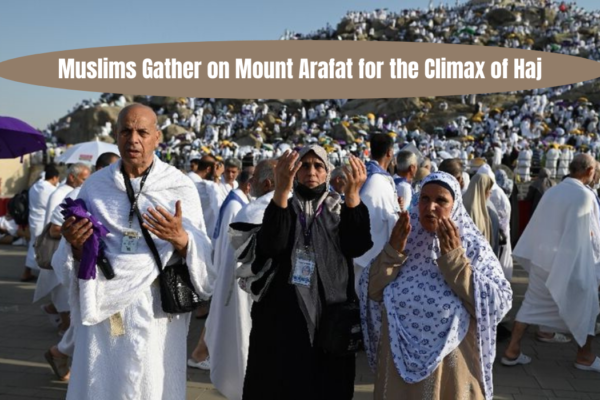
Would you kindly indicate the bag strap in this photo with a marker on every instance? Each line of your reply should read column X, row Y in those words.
column 145, row 232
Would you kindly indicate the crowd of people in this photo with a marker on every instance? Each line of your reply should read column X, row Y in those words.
column 291, row 215
column 296, row 257
column 540, row 129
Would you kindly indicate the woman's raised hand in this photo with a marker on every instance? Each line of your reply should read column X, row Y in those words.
column 400, row 232
column 356, row 176
column 285, row 171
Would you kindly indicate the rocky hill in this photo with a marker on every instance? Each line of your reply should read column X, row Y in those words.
column 538, row 25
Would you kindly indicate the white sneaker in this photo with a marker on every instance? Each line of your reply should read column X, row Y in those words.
column 204, row 365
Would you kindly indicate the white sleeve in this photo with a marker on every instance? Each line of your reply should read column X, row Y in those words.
column 382, row 217
column 56, row 218
column 405, row 192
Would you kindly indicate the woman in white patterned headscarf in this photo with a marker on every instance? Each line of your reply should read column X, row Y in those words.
column 431, row 301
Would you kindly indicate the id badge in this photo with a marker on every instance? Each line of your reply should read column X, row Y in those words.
column 304, row 267
column 130, row 242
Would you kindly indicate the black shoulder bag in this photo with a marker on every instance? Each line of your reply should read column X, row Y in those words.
column 177, row 292
column 339, row 332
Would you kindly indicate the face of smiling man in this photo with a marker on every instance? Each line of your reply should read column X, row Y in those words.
column 137, row 138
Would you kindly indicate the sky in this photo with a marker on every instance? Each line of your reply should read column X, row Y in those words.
column 36, row 26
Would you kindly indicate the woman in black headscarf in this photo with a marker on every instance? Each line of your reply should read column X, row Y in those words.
column 304, row 251
column 538, row 188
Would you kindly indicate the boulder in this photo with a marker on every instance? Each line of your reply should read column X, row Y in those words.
column 391, row 33
column 340, row 132
column 559, row 38
column 548, row 15
column 533, row 15
column 378, row 25
column 378, row 35
column 591, row 31
column 269, row 120
column 168, row 103
column 290, row 103
column 345, row 26
column 184, row 112
column 246, row 140
column 173, row 130
column 140, row 99
column 591, row 91
column 86, row 124
column 390, row 107
column 500, row 16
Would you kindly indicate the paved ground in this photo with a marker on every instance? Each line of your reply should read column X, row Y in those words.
column 25, row 334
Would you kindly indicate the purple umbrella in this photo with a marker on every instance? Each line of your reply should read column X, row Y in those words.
column 17, row 138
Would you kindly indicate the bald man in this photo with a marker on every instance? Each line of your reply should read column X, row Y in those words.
column 560, row 248
column 126, row 346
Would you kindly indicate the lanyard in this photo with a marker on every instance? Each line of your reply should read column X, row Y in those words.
column 130, row 193
column 308, row 231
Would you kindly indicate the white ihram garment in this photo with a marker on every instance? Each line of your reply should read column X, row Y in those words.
column 47, row 282
column 560, row 249
column 229, row 323
column 379, row 195
column 39, row 194
column 149, row 360
column 502, row 204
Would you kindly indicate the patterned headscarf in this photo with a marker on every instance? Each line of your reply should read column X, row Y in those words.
column 427, row 320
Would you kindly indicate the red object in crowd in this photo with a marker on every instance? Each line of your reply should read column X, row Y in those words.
column 4, row 205
column 563, row 7
column 524, row 215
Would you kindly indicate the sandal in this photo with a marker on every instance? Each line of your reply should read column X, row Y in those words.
column 59, row 365
column 595, row 367
column 557, row 338
column 204, row 365
column 521, row 360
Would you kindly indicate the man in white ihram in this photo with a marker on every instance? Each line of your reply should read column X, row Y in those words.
column 47, row 280
column 126, row 346
column 39, row 194
column 234, row 201
column 229, row 322
column 560, row 248
column 380, row 197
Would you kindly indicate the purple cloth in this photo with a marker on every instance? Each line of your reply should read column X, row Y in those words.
column 91, row 247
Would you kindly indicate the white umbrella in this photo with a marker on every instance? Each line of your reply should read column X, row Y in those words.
column 87, row 152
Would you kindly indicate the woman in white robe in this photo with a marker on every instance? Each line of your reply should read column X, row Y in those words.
column 502, row 204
